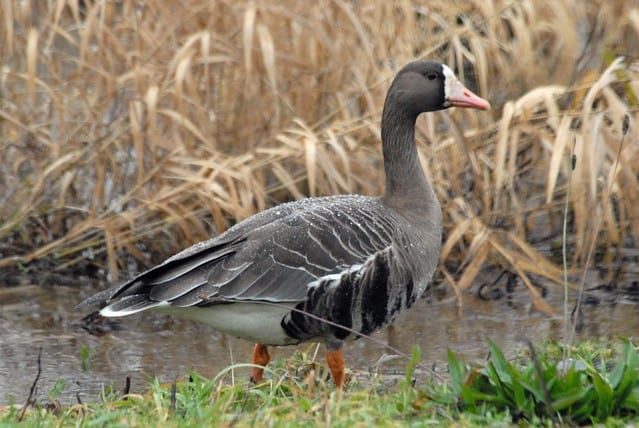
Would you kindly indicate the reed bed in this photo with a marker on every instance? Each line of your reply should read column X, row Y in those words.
column 132, row 129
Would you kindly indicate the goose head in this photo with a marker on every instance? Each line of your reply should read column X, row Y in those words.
column 424, row 86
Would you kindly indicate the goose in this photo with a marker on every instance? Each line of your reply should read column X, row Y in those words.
column 326, row 269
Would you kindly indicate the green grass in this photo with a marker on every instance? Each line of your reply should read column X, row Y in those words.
column 599, row 385
column 580, row 390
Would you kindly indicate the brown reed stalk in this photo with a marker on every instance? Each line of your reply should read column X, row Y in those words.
column 138, row 128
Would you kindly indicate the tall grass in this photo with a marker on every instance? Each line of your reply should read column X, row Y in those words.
column 136, row 128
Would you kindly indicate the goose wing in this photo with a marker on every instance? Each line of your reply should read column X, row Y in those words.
column 272, row 256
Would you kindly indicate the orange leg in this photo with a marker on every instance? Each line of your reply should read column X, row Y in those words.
column 335, row 361
column 261, row 358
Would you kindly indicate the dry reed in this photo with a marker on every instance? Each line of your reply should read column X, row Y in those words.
column 136, row 128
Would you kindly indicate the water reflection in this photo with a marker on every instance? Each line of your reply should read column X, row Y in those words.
column 156, row 345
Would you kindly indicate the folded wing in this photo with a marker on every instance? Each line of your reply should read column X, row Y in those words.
column 273, row 257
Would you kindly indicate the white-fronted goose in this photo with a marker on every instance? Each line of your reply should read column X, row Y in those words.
column 299, row 271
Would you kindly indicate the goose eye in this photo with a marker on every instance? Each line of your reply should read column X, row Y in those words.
column 431, row 76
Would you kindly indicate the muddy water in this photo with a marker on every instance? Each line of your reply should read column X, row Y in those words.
column 156, row 345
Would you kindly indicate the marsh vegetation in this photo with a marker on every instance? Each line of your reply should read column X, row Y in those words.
column 133, row 129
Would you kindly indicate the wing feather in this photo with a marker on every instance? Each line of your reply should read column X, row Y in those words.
column 272, row 256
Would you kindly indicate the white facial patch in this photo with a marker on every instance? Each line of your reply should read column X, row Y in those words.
column 449, row 78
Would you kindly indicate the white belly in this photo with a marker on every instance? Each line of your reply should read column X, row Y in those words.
column 260, row 323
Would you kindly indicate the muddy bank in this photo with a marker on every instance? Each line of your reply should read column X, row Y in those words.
column 141, row 347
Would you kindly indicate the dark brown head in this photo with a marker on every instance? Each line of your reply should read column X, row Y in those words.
column 419, row 87
column 423, row 86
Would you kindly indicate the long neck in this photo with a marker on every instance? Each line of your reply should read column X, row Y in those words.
column 406, row 184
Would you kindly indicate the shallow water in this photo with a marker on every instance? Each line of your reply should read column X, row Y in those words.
column 156, row 345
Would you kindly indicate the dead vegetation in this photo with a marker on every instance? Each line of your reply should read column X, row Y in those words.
column 132, row 129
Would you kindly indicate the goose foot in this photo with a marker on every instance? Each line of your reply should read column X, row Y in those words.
column 335, row 361
column 260, row 358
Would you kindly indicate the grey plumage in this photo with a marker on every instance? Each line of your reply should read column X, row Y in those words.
column 305, row 269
